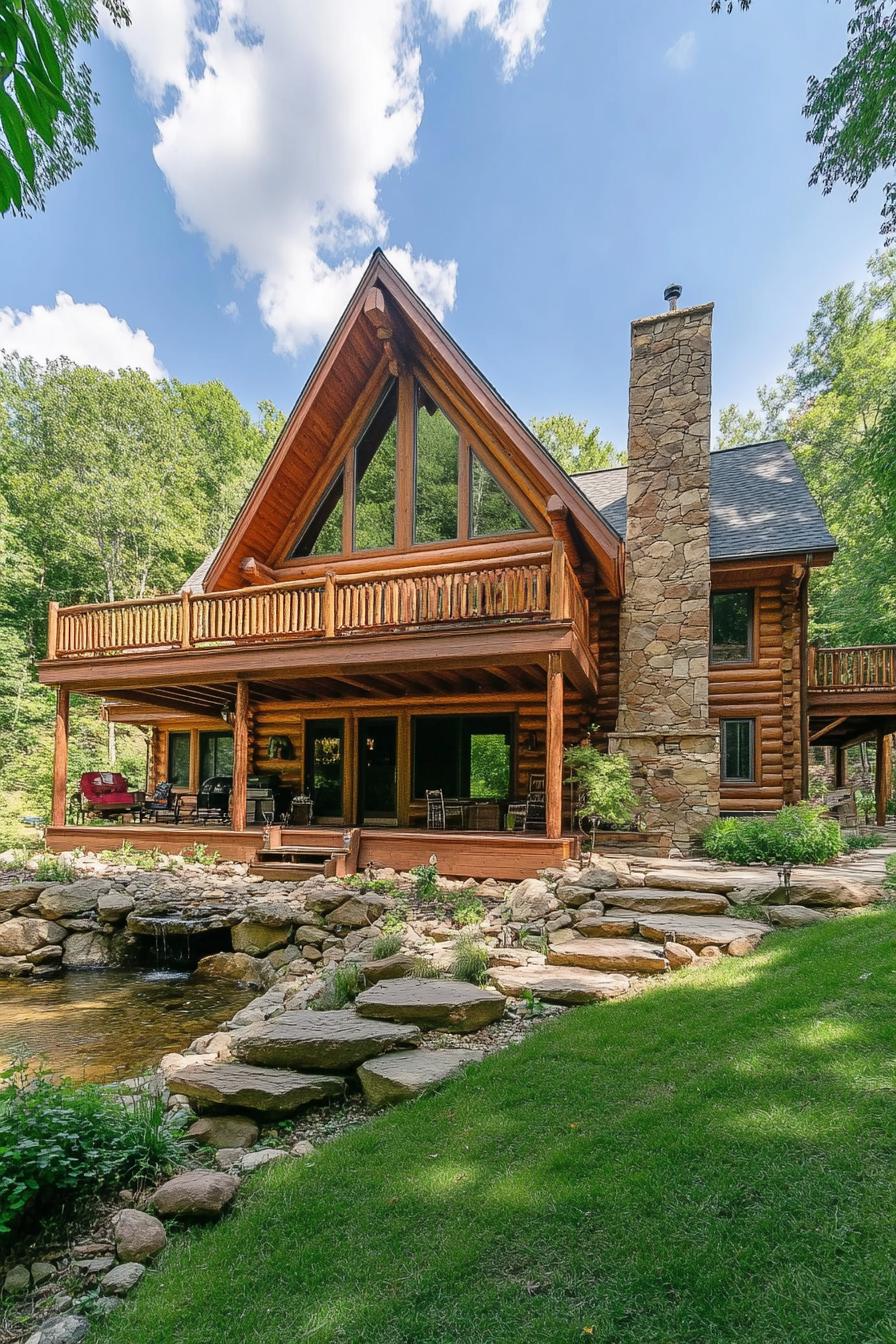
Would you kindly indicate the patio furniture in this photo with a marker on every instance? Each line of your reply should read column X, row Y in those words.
column 76, row 808
column 530, row 815
column 106, row 794
column 439, row 814
column 482, row 815
column 301, row 810
column 163, row 804
column 212, row 801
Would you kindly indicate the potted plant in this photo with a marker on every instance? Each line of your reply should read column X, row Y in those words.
column 603, row 788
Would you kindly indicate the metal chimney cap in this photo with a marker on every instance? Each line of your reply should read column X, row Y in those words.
column 672, row 293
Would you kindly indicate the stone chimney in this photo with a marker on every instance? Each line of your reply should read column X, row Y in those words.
column 663, row 725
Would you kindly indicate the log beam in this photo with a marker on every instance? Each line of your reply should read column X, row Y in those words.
column 240, row 756
column 554, row 749
column 60, row 757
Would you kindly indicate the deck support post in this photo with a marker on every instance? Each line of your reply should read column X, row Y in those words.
column 240, row 756
column 60, row 757
column 883, row 771
column 554, row 749
column 840, row 764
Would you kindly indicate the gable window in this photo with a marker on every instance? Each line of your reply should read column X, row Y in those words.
column 375, row 477
column 492, row 511
column 323, row 534
column 435, row 473
column 732, row 627
column 738, row 750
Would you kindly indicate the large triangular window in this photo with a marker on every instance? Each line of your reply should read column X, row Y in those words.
column 375, row 477
column 322, row 535
column 435, row 473
column 492, row 511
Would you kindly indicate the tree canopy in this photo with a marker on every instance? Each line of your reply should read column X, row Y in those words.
column 576, row 445
column 852, row 111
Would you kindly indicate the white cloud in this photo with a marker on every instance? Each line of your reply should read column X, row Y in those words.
column 159, row 41
column 279, row 133
column 85, row 333
column 518, row 25
column 682, row 53
column 231, row 310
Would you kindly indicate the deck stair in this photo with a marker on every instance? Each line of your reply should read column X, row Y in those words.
column 302, row 854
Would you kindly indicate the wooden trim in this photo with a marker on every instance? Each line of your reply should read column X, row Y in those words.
column 554, row 749
column 60, row 758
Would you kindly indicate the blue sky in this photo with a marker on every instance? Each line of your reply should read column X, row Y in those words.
column 549, row 166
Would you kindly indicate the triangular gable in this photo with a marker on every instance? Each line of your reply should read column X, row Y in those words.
column 350, row 374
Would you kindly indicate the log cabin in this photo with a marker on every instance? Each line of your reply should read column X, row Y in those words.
column 417, row 609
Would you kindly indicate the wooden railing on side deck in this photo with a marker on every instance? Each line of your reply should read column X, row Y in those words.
column 863, row 667
column 531, row 587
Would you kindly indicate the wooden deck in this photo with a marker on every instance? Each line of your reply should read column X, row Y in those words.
column 480, row 854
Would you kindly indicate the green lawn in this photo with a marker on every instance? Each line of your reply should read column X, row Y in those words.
column 713, row 1160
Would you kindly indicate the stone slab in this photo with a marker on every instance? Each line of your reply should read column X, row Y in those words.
column 699, row 931
column 629, row 956
column 693, row 879
column 657, row 901
column 622, row 925
column 830, row 892
column 560, row 984
column 451, row 1005
column 243, row 1087
column 408, row 1073
column 305, row 1039
column 795, row 916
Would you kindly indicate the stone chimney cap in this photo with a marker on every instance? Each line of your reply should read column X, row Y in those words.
column 672, row 293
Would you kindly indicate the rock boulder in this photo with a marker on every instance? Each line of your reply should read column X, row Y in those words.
column 306, row 1039
column 408, row 1073
column 451, row 1005
column 63, row 899
column 195, row 1194
column 267, row 1092
column 138, row 1236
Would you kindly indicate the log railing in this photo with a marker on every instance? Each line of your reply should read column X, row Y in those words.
column 531, row 587
column 863, row 667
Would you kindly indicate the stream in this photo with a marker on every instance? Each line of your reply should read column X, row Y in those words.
column 101, row 1026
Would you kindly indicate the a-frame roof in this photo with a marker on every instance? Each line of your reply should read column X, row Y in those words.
column 344, row 369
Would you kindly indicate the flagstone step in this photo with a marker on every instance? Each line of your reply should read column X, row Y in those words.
column 657, row 901
column 408, row 1073
column 452, row 1005
column 305, row 1039
column 697, row 931
column 560, row 984
column 243, row 1087
column 623, row 925
column 630, row 956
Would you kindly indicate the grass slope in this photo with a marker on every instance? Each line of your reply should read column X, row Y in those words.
column 713, row 1160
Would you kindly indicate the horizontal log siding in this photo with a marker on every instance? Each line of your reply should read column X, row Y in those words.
column 766, row 690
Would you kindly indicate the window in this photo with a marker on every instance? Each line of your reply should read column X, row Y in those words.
column 732, row 627
column 492, row 511
column 738, row 742
column 215, row 755
column 466, row 756
column 375, row 477
column 323, row 534
column 435, row 473
column 179, row 759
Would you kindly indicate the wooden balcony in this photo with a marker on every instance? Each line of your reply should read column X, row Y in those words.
column 535, row 588
column 863, row 668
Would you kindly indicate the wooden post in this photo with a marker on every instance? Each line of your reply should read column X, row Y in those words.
column 60, row 757
column 558, row 580
column 52, row 629
column 185, row 618
column 329, row 604
column 240, row 756
column 883, row 771
column 554, row 749
column 840, row 763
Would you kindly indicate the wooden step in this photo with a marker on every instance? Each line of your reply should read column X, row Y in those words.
column 286, row 872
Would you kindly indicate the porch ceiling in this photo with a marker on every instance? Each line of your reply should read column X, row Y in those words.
column 839, row 729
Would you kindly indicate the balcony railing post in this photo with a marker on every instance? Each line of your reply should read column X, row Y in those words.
column 185, row 613
column 329, row 604
column 52, row 629
column 558, row 580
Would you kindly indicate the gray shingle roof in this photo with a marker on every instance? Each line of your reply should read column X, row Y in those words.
column 759, row 503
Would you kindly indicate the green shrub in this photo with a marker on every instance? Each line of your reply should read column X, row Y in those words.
column 603, row 785
column 851, row 843
column 424, row 969
column 467, row 910
column 383, row 886
column 394, row 921
column 62, row 1143
column 890, row 866
column 470, row 959
column 427, row 875
column 201, row 854
column 51, row 868
column 342, row 987
column 147, row 860
column 386, row 946
column 800, row 834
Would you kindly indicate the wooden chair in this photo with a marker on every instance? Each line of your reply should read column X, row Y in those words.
column 440, row 814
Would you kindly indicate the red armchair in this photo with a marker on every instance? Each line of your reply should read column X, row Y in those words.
column 106, row 793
